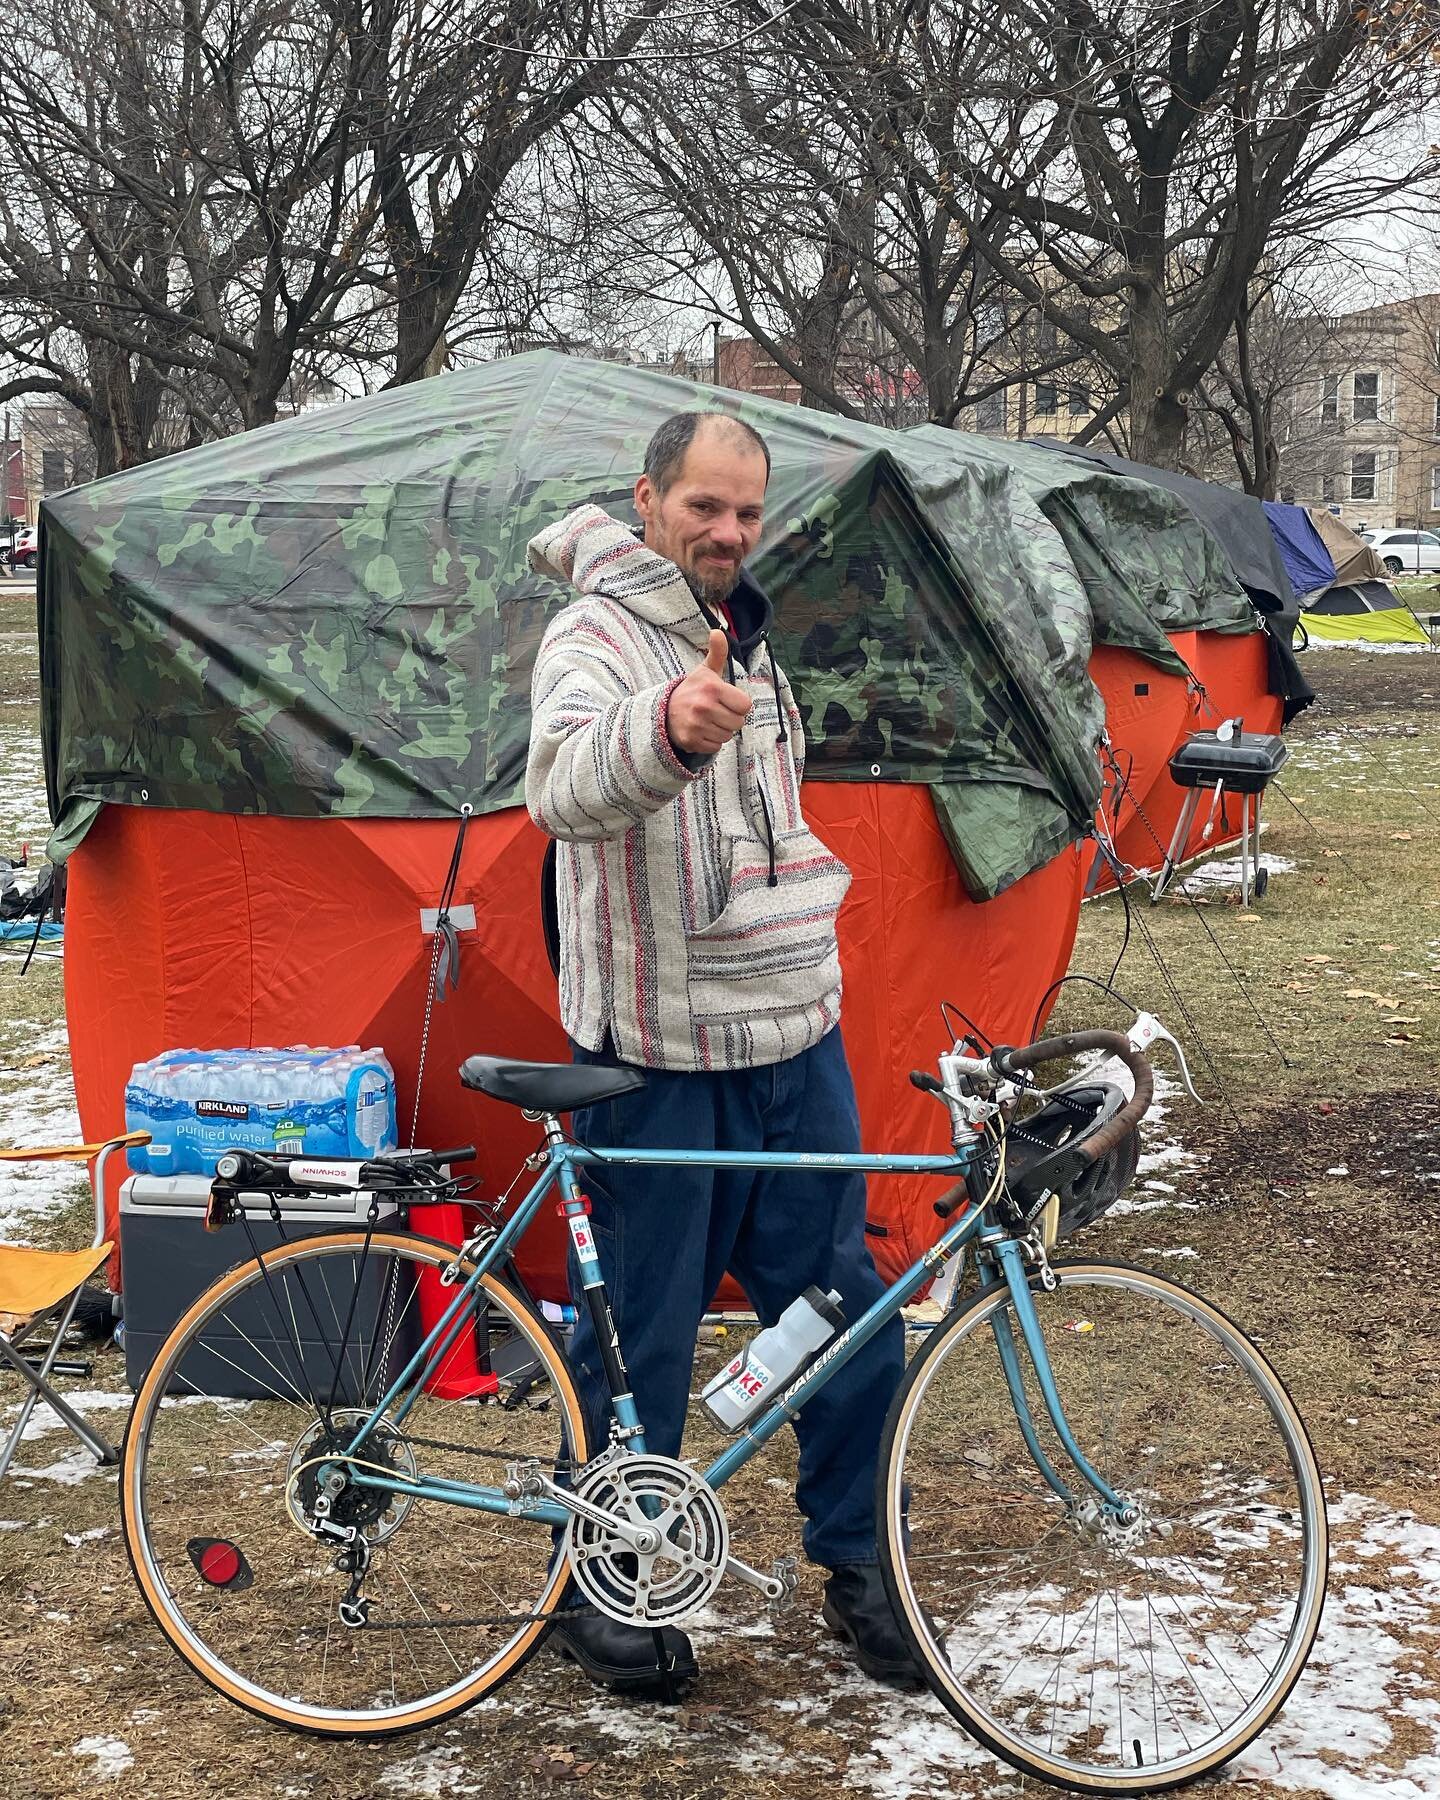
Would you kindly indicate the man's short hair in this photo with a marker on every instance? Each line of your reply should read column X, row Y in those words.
column 665, row 453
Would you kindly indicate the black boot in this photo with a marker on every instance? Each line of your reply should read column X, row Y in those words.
column 858, row 1608
column 629, row 1659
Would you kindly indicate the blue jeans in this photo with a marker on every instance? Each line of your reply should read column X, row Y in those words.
column 666, row 1236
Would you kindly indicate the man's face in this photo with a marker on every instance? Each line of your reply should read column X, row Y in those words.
column 708, row 520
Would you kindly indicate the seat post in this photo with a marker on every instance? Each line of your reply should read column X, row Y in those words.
column 574, row 1207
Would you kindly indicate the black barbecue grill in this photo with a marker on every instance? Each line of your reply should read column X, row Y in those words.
column 1221, row 761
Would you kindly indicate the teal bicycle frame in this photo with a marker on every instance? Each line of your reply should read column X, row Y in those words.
column 1005, row 1262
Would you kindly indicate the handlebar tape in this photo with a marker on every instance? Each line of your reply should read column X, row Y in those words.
column 1073, row 1043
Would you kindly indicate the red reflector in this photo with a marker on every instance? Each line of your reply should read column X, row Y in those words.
column 220, row 1563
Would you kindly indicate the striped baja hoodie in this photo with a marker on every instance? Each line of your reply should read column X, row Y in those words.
column 696, row 909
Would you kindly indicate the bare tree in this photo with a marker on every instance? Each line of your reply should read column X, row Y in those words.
column 206, row 202
column 817, row 208
column 183, row 204
column 472, row 91
column 1166, row 147
column 1120, row 166
column 1249, row 416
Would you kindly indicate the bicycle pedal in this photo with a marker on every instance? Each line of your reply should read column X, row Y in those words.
column 786, row 1572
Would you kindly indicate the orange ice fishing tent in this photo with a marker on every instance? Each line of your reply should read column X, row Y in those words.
column 277, row 669
column 1211, row 664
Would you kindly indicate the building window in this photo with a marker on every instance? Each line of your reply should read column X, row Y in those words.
column 1046, row 398
column 1287, row 496
column 1079, row 400
column 1435, row 488
column 1437, row 415
column 1367, row 397
column 1330, row 400
column 990, row 412
column 1362, row 476
column 1327, row 489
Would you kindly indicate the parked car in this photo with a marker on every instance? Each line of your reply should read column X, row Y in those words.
column 27, row 547
column 1405, row 552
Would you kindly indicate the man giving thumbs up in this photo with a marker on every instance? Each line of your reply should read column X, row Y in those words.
column 697, row 942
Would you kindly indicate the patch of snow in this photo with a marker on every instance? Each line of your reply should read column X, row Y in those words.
column 40, row 1111
column 45, row 1419
column 111, row 1754
column 1368, row 649
column 70, row 1471
column 1225, row 872
column 916, row 1755
column 1337, row 1726
column 429, row 1775
column 1162, row 1147
column 26, row 815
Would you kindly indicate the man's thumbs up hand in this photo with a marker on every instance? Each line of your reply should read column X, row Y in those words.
column 706, row 710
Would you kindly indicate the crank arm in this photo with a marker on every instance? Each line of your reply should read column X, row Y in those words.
column 773, row 1587
column 645, row 1540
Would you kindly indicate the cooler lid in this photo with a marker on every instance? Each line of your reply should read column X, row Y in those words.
column 186, row 1195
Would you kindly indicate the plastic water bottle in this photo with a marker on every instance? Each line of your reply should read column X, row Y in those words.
column 751, row 1379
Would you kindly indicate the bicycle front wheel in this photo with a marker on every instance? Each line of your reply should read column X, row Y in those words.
column 1105, row 1657
column 260, row 1380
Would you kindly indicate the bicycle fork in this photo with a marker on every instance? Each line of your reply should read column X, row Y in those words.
column 1011, row 1256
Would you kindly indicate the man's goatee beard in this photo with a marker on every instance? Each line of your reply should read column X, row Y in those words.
column 711, row 593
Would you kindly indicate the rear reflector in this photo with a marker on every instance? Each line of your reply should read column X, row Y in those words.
column 220, row 1562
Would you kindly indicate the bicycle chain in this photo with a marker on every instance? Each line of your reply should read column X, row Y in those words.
column 561, row 1464
column 480, row 1619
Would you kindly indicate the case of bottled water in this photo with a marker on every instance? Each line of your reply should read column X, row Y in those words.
column 299, row 1101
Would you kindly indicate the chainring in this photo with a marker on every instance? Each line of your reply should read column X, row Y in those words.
column 670, row 1584
column 377, row 1513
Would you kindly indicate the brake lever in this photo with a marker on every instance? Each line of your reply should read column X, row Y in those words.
column 1148, row 1030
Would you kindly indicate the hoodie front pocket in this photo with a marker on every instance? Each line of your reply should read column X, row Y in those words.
column 777, row 942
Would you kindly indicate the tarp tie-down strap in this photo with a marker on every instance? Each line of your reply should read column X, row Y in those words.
column 444, row 974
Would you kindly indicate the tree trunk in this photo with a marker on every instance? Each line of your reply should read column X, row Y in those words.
column 113, row 422
column 1158, row 415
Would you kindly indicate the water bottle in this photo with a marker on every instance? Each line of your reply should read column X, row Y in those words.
column 751, row 1379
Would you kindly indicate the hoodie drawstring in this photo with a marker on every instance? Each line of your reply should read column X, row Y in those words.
column 781, row 733
column 774, row 879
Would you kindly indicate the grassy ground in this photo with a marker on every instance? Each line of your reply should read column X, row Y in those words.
column 1302, row 1198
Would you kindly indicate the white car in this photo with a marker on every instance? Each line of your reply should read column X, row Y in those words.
column 1406, row 552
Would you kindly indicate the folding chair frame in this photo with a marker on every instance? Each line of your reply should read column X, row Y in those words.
column 39, row 1378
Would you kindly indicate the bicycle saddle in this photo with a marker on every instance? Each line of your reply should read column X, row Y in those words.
column 547, row 1087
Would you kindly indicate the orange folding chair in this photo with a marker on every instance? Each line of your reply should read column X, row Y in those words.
column 41, row 1285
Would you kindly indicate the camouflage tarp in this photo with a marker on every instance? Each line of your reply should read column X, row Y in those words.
column 334, row 615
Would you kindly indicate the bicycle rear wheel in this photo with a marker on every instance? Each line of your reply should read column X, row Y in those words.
column 1103, row 1658
column 261, row 1376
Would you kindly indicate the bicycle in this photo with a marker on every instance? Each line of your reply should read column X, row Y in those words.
column 1099, row 1516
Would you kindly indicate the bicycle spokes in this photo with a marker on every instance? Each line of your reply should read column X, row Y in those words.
column 1088, row 1636
column 364, row 1602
